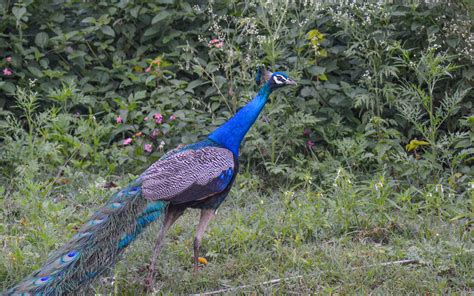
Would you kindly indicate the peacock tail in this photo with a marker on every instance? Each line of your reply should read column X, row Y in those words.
column 96, row 246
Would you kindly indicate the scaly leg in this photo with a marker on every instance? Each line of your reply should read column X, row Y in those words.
column 171, row 216
column 206, row 216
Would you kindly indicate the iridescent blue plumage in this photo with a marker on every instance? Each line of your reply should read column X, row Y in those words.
column 96, row 245
column 198, row 175
column 231, row 133
column 152, row 212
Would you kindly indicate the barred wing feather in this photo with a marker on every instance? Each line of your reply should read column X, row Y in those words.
column 189, row 175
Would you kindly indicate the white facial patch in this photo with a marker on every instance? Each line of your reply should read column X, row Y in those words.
column 278, row 79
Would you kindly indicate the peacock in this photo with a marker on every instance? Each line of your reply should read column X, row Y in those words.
column 198, row 176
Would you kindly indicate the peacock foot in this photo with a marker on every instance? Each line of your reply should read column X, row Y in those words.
column 149, row 284
column 199, row 264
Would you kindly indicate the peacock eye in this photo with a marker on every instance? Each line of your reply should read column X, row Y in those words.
column 69, row 257
column 42, row 280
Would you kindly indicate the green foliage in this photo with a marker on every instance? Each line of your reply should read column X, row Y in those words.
column 421, row 109
column 372, row 150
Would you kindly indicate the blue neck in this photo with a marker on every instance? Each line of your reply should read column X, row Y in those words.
column 231, row 133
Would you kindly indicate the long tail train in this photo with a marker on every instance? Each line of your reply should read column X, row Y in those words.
column 96, row 245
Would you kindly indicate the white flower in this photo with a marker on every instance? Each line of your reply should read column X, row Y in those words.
column 197, row 9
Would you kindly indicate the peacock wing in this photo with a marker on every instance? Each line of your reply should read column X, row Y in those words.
column 189, row 175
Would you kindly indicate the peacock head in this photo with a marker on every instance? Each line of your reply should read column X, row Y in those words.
column 273, row 80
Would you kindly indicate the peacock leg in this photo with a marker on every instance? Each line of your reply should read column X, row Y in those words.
column 206, row 216
column 171, row 216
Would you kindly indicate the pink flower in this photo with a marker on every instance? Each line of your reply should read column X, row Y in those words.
column 145, row 119
column 310, row 144
column 9, row 59
column 119, row 119
column 127, row 141
column 158, row 118
column 173, row 117
column 217, row 43
column 154, row 134
column 7, row 72
column 148, row 148
column 147, row 70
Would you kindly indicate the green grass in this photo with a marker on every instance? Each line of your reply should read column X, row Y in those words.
column 330, row 242
column 268, row 239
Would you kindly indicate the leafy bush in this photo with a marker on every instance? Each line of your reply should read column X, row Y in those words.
column 381, row 120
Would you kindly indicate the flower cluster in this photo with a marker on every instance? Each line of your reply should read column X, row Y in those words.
column 197, row 9
column 248, row 26
column 147, row 147
column 154, row 66
column 459, row 29
column 158, row 118
column 366, row 76
column 155, row 133
column 358, row 14
column 127, row 141
column 215, row 28
column 217, row 43
column 7, row 71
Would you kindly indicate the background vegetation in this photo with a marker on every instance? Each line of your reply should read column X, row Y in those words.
column 369, row 160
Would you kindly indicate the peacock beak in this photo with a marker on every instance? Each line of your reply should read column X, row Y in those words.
column 291, row 82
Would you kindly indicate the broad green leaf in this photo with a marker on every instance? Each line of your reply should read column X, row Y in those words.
column 307, row 91
column 193, row 84
column 35, row 71
column 88, row 20
column 18, row 12
column 41, row 39
column 140, row 95
column 160, row 16
column 332, row 86
column 153, row 30
column 8, row 87
column 316, row 70
column 453, row 42
column 107, row 30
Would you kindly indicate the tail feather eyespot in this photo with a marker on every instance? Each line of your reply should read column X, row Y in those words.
column 116, row 205
column 69, row 257
column 42, row 280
